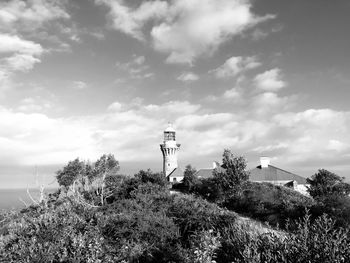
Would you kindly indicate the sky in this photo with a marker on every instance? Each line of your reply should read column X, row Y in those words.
column 80, row 78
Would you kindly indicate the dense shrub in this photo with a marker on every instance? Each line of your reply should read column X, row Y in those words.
column 262, row 201
column 309, row 242
column 324, row 184
column 142, row 222
column 269, row 203
column 194, row 214
column 58, row 235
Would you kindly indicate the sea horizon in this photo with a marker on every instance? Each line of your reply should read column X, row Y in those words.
column 18, row 198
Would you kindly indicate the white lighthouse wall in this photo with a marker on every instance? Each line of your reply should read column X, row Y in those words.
column 170, row 161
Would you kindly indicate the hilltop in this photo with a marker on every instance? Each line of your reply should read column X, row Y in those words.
column 101, row 216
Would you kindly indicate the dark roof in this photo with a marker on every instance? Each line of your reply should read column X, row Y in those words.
column 268, row 174
column 207, row 172
column 272, row 173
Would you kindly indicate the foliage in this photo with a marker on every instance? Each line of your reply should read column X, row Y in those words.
column 310, row 242
column 319, row 241
column 189, row 177
column 231, row 180
column 204, row 245
column 324, row 184
column 84, row 173
column 58, row 235
column 149, row 176
column 269, row 203
column 192, row 214
column 208, row 189
column 71, row 172
column 142, row 222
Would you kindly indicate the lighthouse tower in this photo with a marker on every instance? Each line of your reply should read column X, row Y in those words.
column 169, row 149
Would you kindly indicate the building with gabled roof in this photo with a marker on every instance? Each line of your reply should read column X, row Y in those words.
column 265, row 173
column 272, row 174
column 176, row 176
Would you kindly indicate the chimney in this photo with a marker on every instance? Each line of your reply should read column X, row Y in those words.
column 264, row 161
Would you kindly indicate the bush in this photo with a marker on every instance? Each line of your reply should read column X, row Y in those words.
column 58, row 235
column 269, row 203
column 310, row 242
column 143, row 222
column 195, row 214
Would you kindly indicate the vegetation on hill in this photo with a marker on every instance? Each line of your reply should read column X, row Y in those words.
column 102, row 216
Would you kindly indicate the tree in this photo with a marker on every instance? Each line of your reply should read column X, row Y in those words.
column 106, row 165
column 70, row 173
column 233, row 175
column 87, row 175
column 149, row 176
column 325, row 184
column 189, row 177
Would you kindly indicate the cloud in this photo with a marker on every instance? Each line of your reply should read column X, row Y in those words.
column 200, row 27
column 131, row 21
column 312, row 137
column 270, row 80
column 13, row 43
column 236, row 95
column 337, row 145
column 18, row 55
column 79, row 85
column 184, row 29
column 31, row 14
column 259, row 34
column 139, row 60
column 188, row 77
column 233, row 94
column 133, row 131
column 234, row 66
column 268, row 103
column 35, row 138
column 33, row 105
column 115, row 106
column 21, row 62
column 136, row 68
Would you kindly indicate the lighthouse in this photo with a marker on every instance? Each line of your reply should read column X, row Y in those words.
column 170, row 150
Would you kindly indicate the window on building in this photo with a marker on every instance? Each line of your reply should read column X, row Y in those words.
column 169, row 136
column 174, row 179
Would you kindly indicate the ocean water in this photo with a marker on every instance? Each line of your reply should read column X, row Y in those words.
column 11, row 198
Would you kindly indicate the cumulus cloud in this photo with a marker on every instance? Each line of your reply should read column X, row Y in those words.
column 18, row 55
column 235, row 65
column 188, row 77
column 270, row 80
column 13, row 43
column 200, row 27
column 133, row 131
column 268, row 103
column 314, row 134
column 115, row 106
column 234, row 94
column 31, row 14
column 185, row 29
column 21, row 62
column 131, row 21
column 35, row 138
